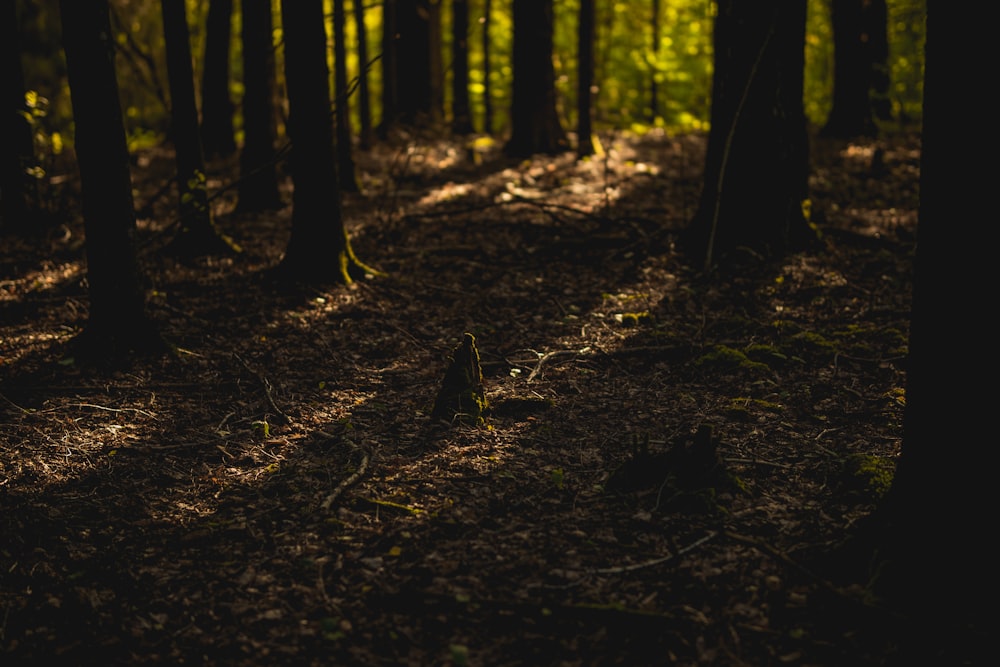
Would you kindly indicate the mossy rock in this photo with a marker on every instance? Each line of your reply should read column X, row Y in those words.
column 462, row 398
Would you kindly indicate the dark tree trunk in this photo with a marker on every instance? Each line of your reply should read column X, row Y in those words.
column 216, row 106
column 410, row 52
column 319, row 250
column 16, row 144
column 390, row 71
column 258, row 188
column 487, row 87
column 585, row 79
column 935, row 557
column 853, row 71
column 757, row 160
column 535, row 126
column 654, row 87
column 117, row 323
column 461, row 118
column 364, row 94
column 197, row 235
column 434, row 41
column 877, row 29
column 345, row 154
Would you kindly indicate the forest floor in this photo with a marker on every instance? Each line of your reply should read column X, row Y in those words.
column 277, row 493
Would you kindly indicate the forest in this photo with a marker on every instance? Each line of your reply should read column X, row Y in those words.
column 493, row 332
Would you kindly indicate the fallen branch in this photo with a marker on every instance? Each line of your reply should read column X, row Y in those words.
column 350, row 479
column 657, row 561
column 282, row 417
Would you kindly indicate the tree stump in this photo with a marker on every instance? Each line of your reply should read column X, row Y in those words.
column 462, row 398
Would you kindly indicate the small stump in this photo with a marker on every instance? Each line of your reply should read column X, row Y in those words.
column 462, row 398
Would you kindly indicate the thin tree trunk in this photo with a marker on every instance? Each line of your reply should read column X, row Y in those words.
column 16, row 144
column 216, row 106
column 390, row 69
column 461, row 118
column 487, row 87
column 585, row 78
column 258, row 188
column 654, row 88
column 197, row 235
column 346, row 169
column 364, row 94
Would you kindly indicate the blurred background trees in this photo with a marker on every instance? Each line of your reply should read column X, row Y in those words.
column 652, row 64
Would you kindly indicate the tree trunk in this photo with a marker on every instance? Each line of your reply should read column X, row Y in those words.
column 756, row 166
column 345, row 156
column 654, row 88
column 876, row 20
column 585, row 80
column 319, row 250
column 216, row 106
column 197, row 235
column 390, row 71
column 461, row 118
column 117, row 323
column 16, row 144
column 364, row 93
column 412, row 62
column 853, row 69
column 487, row 87
column 935, row 552
column 258, row 188
column 535, row 126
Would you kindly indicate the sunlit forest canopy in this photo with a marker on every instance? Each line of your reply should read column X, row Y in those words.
column 629, row 61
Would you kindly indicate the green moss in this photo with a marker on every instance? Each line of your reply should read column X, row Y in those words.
column 868, row 475
column 813, row 339
column 768, row 354
column 726, row 357
column 744, row 403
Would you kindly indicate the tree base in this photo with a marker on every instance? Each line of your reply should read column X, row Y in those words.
column 196, row 242
column 344, row 270
column 117, row 344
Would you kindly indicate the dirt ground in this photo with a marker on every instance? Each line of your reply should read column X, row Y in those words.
column 666, row 459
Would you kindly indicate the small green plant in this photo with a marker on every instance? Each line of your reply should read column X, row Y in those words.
column 262, row 427
column 868, row 475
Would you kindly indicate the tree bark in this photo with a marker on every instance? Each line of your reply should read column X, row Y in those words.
column 654, row 87
column 487, row 87
column 585, row 80
column 757, row 160
column 390, row 70
column 16, row 144
column 535, row 126
column 364, row 93
column 345, row 155
column 461, row 117
column 935, row 554
column 117, row 323
column 198, row 234
column 258, row 188
column 853, row 71
column 216, row 106
column 319, row 250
